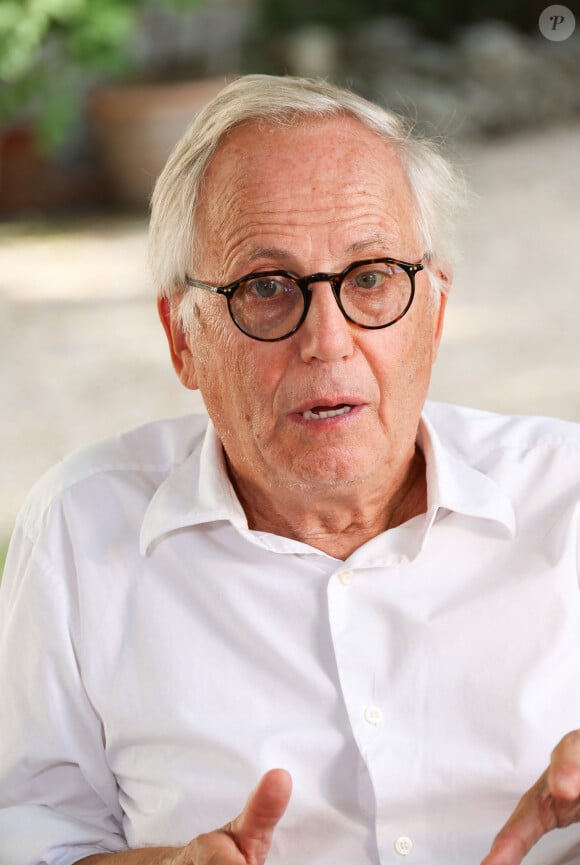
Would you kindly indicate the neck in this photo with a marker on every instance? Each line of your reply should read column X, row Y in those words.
column 340, row 519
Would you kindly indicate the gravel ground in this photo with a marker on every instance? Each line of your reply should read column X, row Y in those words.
column 84, row 356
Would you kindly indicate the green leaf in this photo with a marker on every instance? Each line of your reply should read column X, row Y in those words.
column 9, row 16
column 19, row 49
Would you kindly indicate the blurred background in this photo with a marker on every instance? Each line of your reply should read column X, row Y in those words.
column 94, row 93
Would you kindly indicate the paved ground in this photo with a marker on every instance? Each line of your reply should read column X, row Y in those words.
column 83, row 356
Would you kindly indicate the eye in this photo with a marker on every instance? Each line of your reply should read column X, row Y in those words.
column 266, row 287
column 369, row 279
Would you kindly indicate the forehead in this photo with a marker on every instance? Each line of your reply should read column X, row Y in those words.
column 308, row 150
column 331, row 173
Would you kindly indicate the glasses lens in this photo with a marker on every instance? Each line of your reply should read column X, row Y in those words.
column 375, row 294
column 268, row 306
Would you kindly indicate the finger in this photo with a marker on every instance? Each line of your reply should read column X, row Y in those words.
column 564, row 771
column 254, row 828
column 507, row 849
column 532, row 818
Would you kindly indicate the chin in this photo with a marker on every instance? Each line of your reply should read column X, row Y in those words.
column 329, row 471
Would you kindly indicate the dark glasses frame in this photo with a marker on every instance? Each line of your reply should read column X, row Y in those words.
column 303, row 282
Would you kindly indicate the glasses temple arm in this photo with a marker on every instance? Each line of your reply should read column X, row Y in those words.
column 194, row 283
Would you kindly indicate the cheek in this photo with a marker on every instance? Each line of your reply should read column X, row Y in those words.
column 421, row 349
column 406, row 362
column 235, row 378
column 422, row 356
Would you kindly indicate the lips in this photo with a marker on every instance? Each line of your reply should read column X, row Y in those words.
column 322, row 412
column 327, row 406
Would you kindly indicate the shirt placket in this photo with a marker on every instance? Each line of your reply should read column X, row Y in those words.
column 384, row 739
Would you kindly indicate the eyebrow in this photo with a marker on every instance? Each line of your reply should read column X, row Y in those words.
column 378, row 239
column 278, row 253
column 268, row 252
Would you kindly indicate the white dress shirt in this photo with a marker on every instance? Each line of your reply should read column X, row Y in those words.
column 157, row 656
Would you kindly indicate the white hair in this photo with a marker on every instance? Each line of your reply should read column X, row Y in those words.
column 437, row 188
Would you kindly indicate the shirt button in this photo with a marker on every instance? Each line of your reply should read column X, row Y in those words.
column 403, row 845
column 345, row 577
column 373, row 715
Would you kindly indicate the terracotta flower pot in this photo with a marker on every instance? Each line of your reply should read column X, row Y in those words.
column 136, row 127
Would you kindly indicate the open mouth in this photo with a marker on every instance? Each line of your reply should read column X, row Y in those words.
column 323, row 412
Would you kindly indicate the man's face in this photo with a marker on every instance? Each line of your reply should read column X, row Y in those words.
column 308, row 199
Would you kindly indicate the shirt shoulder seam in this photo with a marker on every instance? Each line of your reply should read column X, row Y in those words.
column 34, row 512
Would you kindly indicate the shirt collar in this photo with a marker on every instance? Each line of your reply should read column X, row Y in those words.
column 454, row 485
column 199, row 490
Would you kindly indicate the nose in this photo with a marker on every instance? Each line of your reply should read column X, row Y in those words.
column 325, row 335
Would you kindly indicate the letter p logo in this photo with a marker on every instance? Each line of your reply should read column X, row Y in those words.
column 557, row 23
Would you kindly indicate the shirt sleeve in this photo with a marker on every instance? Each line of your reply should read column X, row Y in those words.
column 58, row 798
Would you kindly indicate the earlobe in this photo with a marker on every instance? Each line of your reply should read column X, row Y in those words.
column 177, row 339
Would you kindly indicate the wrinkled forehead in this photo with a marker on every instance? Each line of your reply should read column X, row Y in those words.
column 301, row 174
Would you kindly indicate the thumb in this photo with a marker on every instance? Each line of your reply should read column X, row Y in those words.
column 254, row 828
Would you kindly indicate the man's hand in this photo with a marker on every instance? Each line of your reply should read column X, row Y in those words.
column 244, row 841
column 247, row 839
column 552, row 803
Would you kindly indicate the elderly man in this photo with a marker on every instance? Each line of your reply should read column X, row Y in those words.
column 329, row 581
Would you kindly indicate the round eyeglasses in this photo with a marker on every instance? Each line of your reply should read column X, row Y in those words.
column 272, row 304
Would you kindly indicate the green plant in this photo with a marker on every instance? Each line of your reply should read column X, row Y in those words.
column 43, row 46
column 50, row 49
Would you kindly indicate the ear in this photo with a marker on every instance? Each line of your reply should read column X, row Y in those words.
column 178, row 340
column 446, row 279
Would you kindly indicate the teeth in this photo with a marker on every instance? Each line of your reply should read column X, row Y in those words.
column 319, row 415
